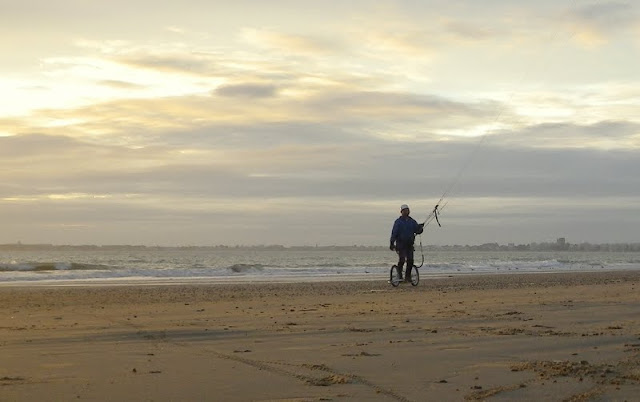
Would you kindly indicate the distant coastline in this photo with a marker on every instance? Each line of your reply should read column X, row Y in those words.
column 558, row 245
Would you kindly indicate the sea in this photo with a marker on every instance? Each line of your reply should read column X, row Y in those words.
column 134, row 265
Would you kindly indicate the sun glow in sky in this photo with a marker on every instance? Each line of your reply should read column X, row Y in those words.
column 205, row 122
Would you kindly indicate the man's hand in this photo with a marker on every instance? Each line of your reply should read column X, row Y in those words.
column 392, row 246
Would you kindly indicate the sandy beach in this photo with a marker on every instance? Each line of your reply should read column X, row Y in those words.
column 552, row 337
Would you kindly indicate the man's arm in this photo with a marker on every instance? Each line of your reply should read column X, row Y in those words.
column 394, row 236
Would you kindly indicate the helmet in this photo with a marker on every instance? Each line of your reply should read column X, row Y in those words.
column 404, row 206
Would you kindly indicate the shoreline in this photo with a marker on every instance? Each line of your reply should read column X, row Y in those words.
column 284, row 279
column 544, row 336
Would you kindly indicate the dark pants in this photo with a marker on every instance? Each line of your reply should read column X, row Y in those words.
column 405, row 254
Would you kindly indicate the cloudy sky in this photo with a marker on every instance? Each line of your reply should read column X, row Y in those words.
column 310, row 122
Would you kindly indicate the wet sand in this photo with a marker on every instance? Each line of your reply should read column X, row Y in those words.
column 573, row 337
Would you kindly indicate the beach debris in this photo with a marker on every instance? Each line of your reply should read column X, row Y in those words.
column 6, row 378
column 329, row 380
column 583, row 369
column 363, row 353
column 482, row 394
column 354, row 329
column 510, row 331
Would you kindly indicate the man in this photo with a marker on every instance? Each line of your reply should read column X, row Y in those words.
column 403, row 235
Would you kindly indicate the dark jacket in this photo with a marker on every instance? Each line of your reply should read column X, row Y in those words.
column 404, row 231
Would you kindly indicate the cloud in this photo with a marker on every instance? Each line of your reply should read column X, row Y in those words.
column 398, row 106
column 18, row 146
column 120, row 84
column 469, row 31
column 294, row 174
column 594, row 24
column 242, row 125
column 601, row 135
column 291, row 44
column 293, row 115
column 173, row 63
column 294, row 160
column 610, row 14
column 247, row 90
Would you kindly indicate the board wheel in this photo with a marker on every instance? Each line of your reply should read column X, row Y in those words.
column 394, row 276
column 415, row 276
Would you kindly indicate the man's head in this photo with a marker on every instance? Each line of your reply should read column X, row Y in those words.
column 404, row 210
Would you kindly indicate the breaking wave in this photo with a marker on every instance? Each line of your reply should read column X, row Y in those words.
column 52, row 266
column 241, row 268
